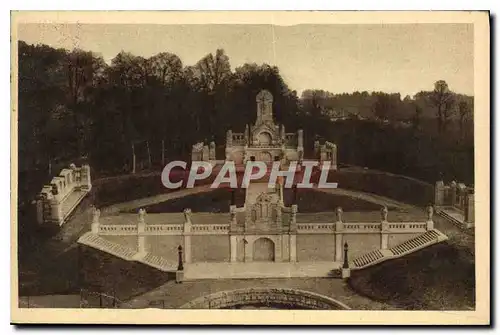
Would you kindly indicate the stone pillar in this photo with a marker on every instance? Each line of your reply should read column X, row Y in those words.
column 334, row 157
column 39, row 208
column 339, row 226
column 300, row 139
column 469, row 209
column 430, row 222
column 453, row 190
column 141, row 229
column 96, row 213
column 205, row 154
column 316, row 149
column 248, row 250
column 293, row 218
column 323, row 156
column 439, row 193
column 234, row 247
column 211, row 153
column 56, row 211
column 229, row 138
column 293, row 247
column 187, row 235
column 384, row 228
column 86, row 183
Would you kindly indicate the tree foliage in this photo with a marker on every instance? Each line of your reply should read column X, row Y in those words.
column 73, row 104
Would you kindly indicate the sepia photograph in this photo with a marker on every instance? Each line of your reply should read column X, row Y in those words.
column 252, row 164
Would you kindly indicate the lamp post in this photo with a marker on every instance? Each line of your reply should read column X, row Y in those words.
column 346, row 261
column 346, row 271
column 179, row 274
column 180, row 267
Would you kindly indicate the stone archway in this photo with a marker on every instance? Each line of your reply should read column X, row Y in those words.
column 266, row 157
column 264, row 138
column 282, row 298
column 263, row 250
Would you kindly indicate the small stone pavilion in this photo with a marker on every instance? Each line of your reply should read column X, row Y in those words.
column 57, row 200
column 264, row 141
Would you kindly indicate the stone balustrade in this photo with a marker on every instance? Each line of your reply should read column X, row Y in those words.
column 57, row 200
column 142, row 228
column 117, row 230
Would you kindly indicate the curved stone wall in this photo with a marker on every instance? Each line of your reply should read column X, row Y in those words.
column 267, row 297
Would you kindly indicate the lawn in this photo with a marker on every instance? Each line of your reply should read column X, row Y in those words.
column 218, row 201
column 440, row 277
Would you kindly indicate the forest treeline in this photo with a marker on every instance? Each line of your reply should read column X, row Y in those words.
column 73, row 104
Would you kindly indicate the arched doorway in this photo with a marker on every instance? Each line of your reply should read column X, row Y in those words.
column 263, row 250
column 266, row 157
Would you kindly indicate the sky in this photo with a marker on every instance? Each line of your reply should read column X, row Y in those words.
column 404, row 58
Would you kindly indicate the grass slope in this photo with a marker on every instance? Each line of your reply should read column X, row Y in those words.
column 440, row 277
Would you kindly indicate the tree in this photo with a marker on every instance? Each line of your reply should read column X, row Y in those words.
column 417, row 118
column 464, row 112
column 443, row 100
column 383, row 107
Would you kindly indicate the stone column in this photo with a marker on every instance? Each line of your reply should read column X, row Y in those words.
column 234, row 247
column 248, row 250
column 229, row 138
column 293, row 247
column 384, row 228
column 96, row 213
column 316, row 149
column 469, row 208
column 86, row 183
column 211, row 153
column 334, row 157
column 56, row 211
column 439, row 193
column 339, row 227
column 187, row 235
column 453, row 190
column 141, row 229
column 430, row 222
column 40, row 200
column 205, row 154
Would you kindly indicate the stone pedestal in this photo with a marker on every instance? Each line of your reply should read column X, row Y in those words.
column 293, row 248
column 469, row 210
column 338, row 247
column 384, row 241
column 234, row 247
column 179, row 277
column 346, row 273
column 439, row 193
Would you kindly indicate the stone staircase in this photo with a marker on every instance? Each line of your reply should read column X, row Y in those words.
column 424, row 240
column 370, row 258
column 128, row 254
column 115, row 249
column 157, row 262
column 453, row 216
column 428, row 238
